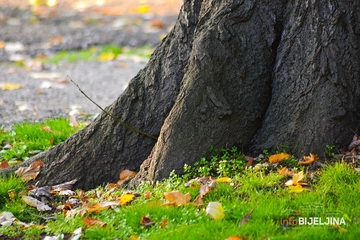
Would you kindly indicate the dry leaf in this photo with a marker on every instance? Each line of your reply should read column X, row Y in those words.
column 249, row 162
column 125, row 175
column 73, row 121
column 4, row 164
column 12, row 194
column 279, row 157
column 36, row 203
column 163, row 223
column 156, row 23
column 145, row 221
column 341, row 229
column 147, row 194
column 11, row 86
column 215, row 210
column 245, row 218
column 198, row 201
column 285, row 171
column 104, row 57
column 177, row 198
column 98, row 207
column 309, row 159
column 234, row 238
column 355, row 143
column 6, row 218
column 126, row 198
column 93, row 221
column 296, row 179
column 30, row 172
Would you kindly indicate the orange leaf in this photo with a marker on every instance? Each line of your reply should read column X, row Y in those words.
column 309, row 159
column 98, row 207
column 93, row 221
column 234, row 238
column 250, row 162
column 279, row 157
column 177, row 198
column 163, row 223
column 147, row 194
column 285, row 171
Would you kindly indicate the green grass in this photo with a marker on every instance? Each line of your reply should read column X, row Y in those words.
column 99, row 53
column 275, row 211
column 27, row 139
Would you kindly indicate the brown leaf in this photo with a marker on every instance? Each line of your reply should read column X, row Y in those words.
column 64, row 186
column 98, row 207
column 126, row 174
column 93, row 221
column 198, row 201
column 250, row 162
column 145, row 221
column 355, row 143
column 4, row 164
column 177, row 198
column 73, row 121
column 30, row 172
column 157, row 23
column 245, row 218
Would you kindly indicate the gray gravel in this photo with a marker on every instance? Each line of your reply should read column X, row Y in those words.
column 46, row 90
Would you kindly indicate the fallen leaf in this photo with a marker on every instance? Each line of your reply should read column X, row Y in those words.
column 12, row 194
column 143, row 9
column 341, row 229
column 177, row 198
column 93, row 221
column 249, row 162
column 234, row 238
column 285, row 171
column 125, row 175
column 2, row 44
column 63, row 186
column 157, row 23
column 40, row 206
column 73, row 121
column 104, row 57
column 223, row 180
column 147, row 194
column 245, row 218
column 198, row 201
column 279, row 157
column 309, row 159
column 215, row 210
column 30, row 172
column 98, row 207
column 296, row 180
column 163, row 223
column 46, row 129
column 6, row 218
column 355, row 143
column 126, row 198
column 11, row 86
column 4, row 164
column 145, row 221
column 56, row 40
column 296, row 189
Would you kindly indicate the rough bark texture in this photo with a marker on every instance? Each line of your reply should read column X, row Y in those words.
column 251, row 73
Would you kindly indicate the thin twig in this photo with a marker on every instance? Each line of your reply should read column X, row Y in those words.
column 112, row 116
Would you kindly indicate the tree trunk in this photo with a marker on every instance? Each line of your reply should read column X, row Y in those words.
column 255, row 74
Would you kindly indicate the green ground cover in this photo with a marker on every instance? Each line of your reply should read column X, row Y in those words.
column 257, row 202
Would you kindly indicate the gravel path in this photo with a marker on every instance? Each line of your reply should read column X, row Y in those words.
column 47, row 90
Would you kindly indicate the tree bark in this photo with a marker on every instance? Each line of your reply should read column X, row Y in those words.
column 250, row 73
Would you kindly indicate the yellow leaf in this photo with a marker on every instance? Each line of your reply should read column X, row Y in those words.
column 341, row 229
column 143, row 8
column 177, row 198
column 309, row 159
column 296, row 189
column 296, row 179
column 279, row 157
column 215, row 210
column 126, row 198
column 104, row 57
column 12, row 194
column 11, row 86
column 223, row 180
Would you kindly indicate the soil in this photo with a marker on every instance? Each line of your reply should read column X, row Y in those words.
column 30, row 33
